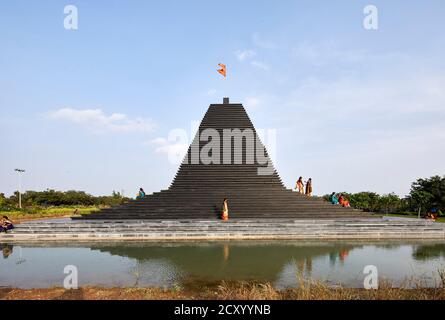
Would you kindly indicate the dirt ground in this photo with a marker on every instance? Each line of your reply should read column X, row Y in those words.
column 223, row 291
column 88, row 293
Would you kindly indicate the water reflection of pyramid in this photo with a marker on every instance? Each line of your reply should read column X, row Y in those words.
column 253, row 187
column 231, row 260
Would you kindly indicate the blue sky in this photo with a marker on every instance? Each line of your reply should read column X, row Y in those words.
column 91, row 109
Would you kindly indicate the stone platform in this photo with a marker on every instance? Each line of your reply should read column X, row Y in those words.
column 253, row 229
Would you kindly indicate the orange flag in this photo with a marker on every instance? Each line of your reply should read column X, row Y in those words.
column 222, row 70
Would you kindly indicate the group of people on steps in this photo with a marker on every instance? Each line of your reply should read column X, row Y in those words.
column 339, row 200
column 300, row 186
column 334, row 198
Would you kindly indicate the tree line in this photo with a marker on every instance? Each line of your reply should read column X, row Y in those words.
column 425, row 194
column 53, row 198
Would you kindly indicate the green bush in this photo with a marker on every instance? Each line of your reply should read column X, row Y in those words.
column 53, row 198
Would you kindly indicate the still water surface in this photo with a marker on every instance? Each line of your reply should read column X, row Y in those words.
column 169, row 264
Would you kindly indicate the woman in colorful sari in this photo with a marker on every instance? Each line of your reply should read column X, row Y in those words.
column 225, row 211
column 309, row 187
column 333, row 198
column 343, row 201
column 6, row 224
column 141, row 194
column 300, row 185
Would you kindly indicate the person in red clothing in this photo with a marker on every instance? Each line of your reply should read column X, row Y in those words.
column 343, row 201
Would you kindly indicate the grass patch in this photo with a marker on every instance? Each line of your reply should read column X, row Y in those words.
column 229, row 290
column 51, row 212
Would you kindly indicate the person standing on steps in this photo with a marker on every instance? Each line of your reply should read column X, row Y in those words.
column 300, row 185
column 225, row 210
column 309, row 187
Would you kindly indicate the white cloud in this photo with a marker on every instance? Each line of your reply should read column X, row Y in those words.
column 260, row 65
column 252, row 102
column 174, row 149
column 248, row 55
column 245, row 54
column 95, row 120
column 158, row 141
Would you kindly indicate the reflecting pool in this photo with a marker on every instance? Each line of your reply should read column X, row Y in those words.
column 162, row 264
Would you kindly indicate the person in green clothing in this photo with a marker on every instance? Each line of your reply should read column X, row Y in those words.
column 141, row 194
column 333, row 198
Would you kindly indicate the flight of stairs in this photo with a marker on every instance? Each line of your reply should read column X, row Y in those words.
column 257, row 229
column 198, row 189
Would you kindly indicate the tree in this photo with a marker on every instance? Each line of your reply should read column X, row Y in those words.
column 435, row 186
column 421, row 199
column 368, row 201
column 59, row 198
column 390, row 202
column 2, row 200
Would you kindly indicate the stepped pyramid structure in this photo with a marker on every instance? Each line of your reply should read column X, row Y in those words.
column 226, row 160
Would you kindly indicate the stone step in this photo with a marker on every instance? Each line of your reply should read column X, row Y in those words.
column 238, row 229
column 246, row 227
column 234, row 223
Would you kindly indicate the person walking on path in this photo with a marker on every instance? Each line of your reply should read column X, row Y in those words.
column 300, row 185
column 309, row 187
